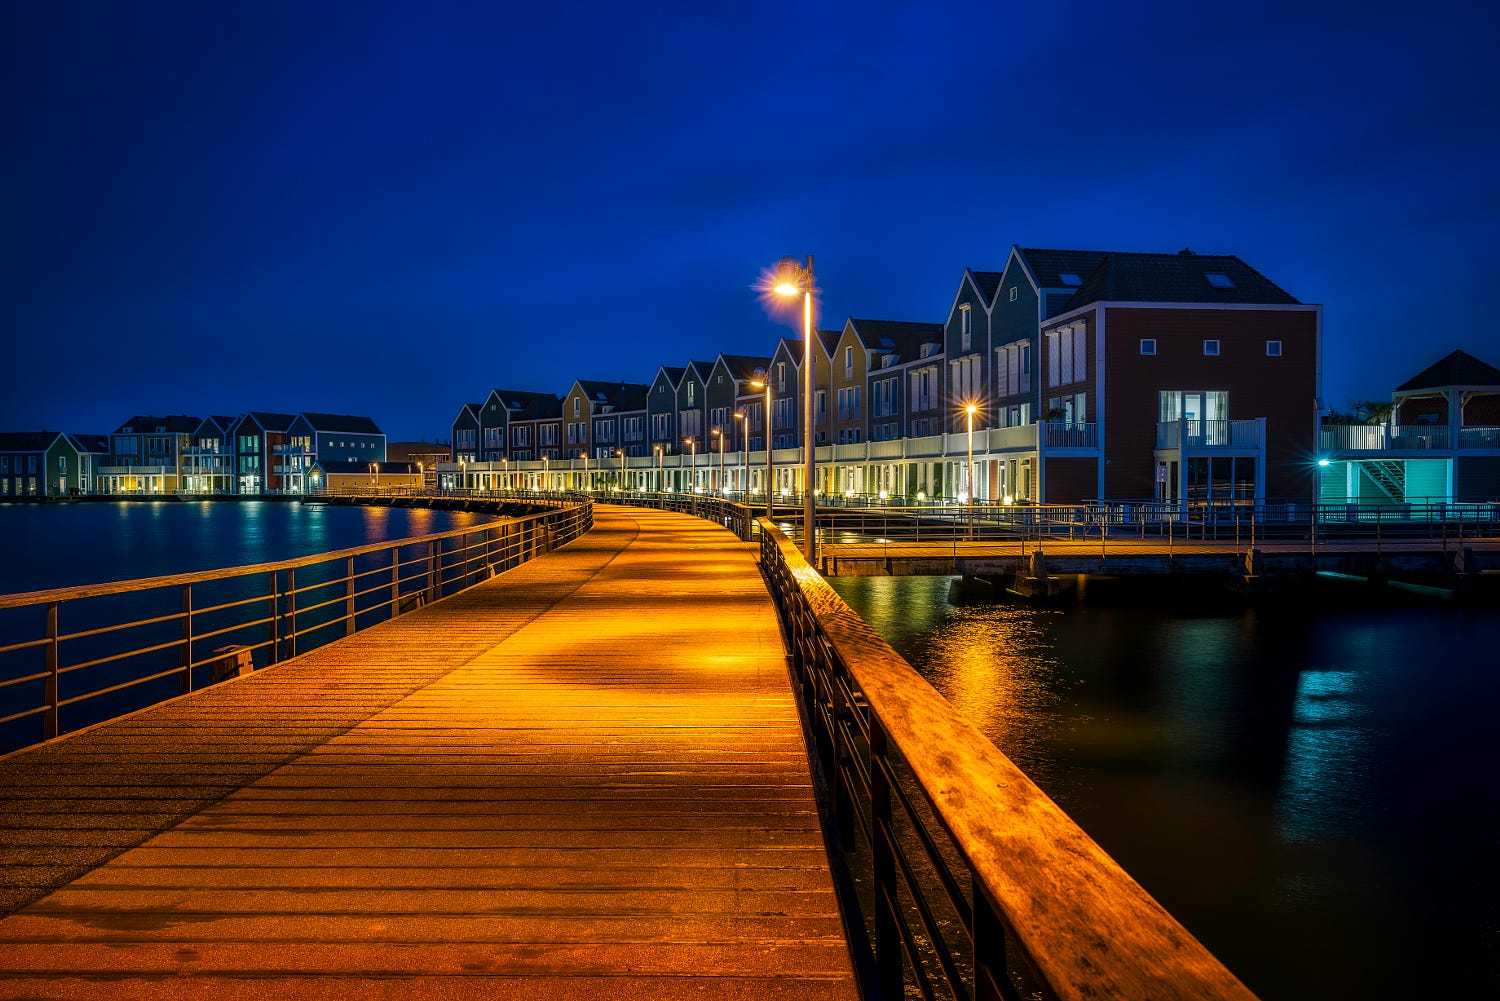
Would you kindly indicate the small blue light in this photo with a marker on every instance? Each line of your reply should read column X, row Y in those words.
column 1323, row 463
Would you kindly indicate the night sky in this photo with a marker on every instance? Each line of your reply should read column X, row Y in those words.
column 305, row 207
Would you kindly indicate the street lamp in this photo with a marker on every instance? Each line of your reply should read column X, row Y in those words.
column 969, row 410
column 621, row 453
column 546, row 471
column 692, row 444
column 792, row 280
column 587, row 484
column 744, row 420
column 766, row 385
column 719, row 434
column 659, row 471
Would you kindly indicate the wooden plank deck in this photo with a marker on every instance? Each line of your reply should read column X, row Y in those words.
column 584, row 778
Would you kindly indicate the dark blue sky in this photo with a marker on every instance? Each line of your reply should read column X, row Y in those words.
column 306, row 207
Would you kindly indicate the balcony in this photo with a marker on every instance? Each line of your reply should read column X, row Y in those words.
column 1388, row 438
column 1211, row 436
column 1022, row 437
column 1059, row 434
column 1479, row 438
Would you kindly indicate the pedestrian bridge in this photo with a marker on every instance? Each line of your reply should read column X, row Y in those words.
column 637, row 765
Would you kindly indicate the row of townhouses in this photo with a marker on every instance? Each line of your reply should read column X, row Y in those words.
column 256, row 453
column 1067, row 375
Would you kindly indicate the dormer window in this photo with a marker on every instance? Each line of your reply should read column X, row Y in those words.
column 966, row 327
column 1015, row 292
column 1219, row 279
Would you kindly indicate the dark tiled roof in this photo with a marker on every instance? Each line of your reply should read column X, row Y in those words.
column 793, row 346
column 90, row 442
column 620, row 395
column 359, row 466
column 1048, row 266
column 342, row 423
column 745, row 366
column 27, row 441
column 987, row 282
column 1457, row 369
column 830, row 339
column 272, row 421
column 703, row 368
column 518, row 400
column 173, row 424
column 896, row 335
column 1181, row 277
column 674, row 374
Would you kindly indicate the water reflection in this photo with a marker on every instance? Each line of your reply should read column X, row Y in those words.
column 54, row 545
column 1307, row 786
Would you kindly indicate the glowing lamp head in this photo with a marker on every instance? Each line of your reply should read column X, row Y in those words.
column 786, row 289
column 1323, row 463
column 971, row 409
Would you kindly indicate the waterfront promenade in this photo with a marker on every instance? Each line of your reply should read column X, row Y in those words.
column 583, row 778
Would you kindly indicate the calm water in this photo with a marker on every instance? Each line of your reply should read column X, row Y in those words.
column 1313, row 793
column 53, row 545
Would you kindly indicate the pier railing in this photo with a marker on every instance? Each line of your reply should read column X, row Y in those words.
column 965, row 879
column 68, row 650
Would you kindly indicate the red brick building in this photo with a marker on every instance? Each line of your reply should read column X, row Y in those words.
column 1180, row 377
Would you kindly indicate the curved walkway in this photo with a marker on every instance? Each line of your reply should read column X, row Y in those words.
column 583, row 778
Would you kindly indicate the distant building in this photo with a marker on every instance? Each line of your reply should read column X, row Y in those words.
column 1441, row 443
column 147, row 455
column 329, row 438
column 208, row 459
column 260, row 442
column 93, row 452
column 351, row 476
column 38, row 464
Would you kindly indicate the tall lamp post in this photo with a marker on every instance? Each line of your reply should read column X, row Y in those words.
column 793, row 280
column 621, row 453
column 719, row 434
column 546, row 471
column 766, row 385
column 659, row 472
column 744, row 420
column 969, row 411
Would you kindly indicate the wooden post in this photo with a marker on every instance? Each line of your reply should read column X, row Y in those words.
column 349, row 599
column 187, row 638
column 50, row 686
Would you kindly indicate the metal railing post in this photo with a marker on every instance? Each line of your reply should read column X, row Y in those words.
column 187, row 638
column 291, row 595
column 889, row 978
column 275, row 617
column 349, row 599
column 50, row 693
column 395, row 581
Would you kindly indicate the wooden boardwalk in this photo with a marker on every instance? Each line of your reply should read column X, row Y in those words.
column 582, row 779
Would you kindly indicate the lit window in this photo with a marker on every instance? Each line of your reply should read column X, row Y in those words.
column 1273, row 349
column 1070, row 279
column 1211, row 348
column 1148, row 345
column 1014, row 292
column 1219, row 279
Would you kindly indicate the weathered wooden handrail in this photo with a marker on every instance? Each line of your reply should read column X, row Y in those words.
column 419, row 569
column 1040, row 905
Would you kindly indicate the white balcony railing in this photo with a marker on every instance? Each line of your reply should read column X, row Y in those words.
column 1022, row 436
column 1479, row 438
column 1385, row 438
column 1208, row 435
